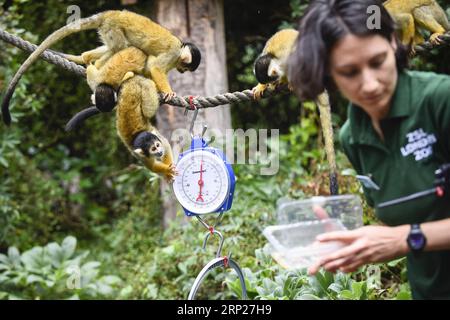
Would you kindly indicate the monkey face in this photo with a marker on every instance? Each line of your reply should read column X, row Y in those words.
column 181, row 68
column 147, row 144
column 266, row 70
column 190, row 58
column 156, row 149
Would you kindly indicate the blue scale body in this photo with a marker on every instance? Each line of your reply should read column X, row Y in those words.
column 200, row 144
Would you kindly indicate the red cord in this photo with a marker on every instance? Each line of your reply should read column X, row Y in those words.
column 211, row 229
column 225, row 261
column 191, row 103
column 439, row 191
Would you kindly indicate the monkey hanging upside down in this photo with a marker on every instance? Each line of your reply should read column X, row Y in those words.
column 119, row 30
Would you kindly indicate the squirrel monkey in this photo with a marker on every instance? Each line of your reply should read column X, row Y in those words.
column 137, row 103
column 119, row 30
column 412, row 15
column 270, row 66
column 106, row 81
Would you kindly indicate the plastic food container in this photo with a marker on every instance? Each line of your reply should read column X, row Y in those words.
column 293, row 240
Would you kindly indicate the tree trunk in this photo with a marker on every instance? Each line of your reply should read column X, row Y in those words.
column 202, row 23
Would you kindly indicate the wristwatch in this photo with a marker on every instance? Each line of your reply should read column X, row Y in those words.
column 416, row 239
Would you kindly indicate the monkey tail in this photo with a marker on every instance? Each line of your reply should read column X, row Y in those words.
column 80, row 117
column 92, row 22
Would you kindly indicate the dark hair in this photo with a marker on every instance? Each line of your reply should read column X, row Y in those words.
column 105, row 97
column 195, row 54
column 324, row 24
column 144, row 140
column 262, row 67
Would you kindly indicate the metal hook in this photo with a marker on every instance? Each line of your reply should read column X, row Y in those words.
column 191, row 128
column 205, row 127
column 219, row 250
column 212, row 230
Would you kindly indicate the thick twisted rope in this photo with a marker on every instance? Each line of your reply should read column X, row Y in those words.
column 48, row 55
column 58, row 59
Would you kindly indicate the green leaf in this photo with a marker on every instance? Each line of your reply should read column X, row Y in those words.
column 34, row 278
column 55, row 253
column 394, row 263
column 169, row 250
column 359, row 290
column 347, row 295
column 308, row 296
column 151, row 291
column 126, row 292
column 88, row 272
column 14, row 256
column 335, row 287
column 4, row 162
column 68, row 246
column 403, row 295
column 349, row 172
column 35, row 259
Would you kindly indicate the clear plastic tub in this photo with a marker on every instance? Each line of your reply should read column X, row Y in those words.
column 293, row 240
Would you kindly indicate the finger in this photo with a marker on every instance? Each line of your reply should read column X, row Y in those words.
column 334, row 265
column 344, row 236
column 320, row 212
column 346, row 253
column 313, row 269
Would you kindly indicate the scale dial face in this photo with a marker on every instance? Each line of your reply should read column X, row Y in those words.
column 203, row 183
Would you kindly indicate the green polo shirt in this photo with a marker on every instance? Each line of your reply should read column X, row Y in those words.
column 417, row 142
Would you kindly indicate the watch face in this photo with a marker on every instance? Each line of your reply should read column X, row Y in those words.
column 416, row 240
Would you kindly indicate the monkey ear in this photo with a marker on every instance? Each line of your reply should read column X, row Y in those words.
column 139, row 152
column 185, row 55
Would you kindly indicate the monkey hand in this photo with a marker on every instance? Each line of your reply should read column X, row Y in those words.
column 170, row 174
column 258, row 91
column 169, row 96
column 435, row 40
column 87, row 58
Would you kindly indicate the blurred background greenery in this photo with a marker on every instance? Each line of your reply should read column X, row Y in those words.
column 80, row 197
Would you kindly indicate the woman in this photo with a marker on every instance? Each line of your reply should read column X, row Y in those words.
column 396, row 135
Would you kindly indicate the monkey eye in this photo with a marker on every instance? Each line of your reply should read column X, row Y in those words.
column 158, row 145
column 153, row 149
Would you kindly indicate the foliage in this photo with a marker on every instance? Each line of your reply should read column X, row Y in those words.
column 53, row 272
column 271, row 282
column 82, row 183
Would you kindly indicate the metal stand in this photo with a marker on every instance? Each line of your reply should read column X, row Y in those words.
column 219, row 261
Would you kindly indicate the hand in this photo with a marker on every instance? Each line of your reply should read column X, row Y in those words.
column 321, row 214
column 171, row 173
column 168, row 96
column 364, row 245
column 258, row 91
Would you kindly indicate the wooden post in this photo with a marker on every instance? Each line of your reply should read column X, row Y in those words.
column 202, row 23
